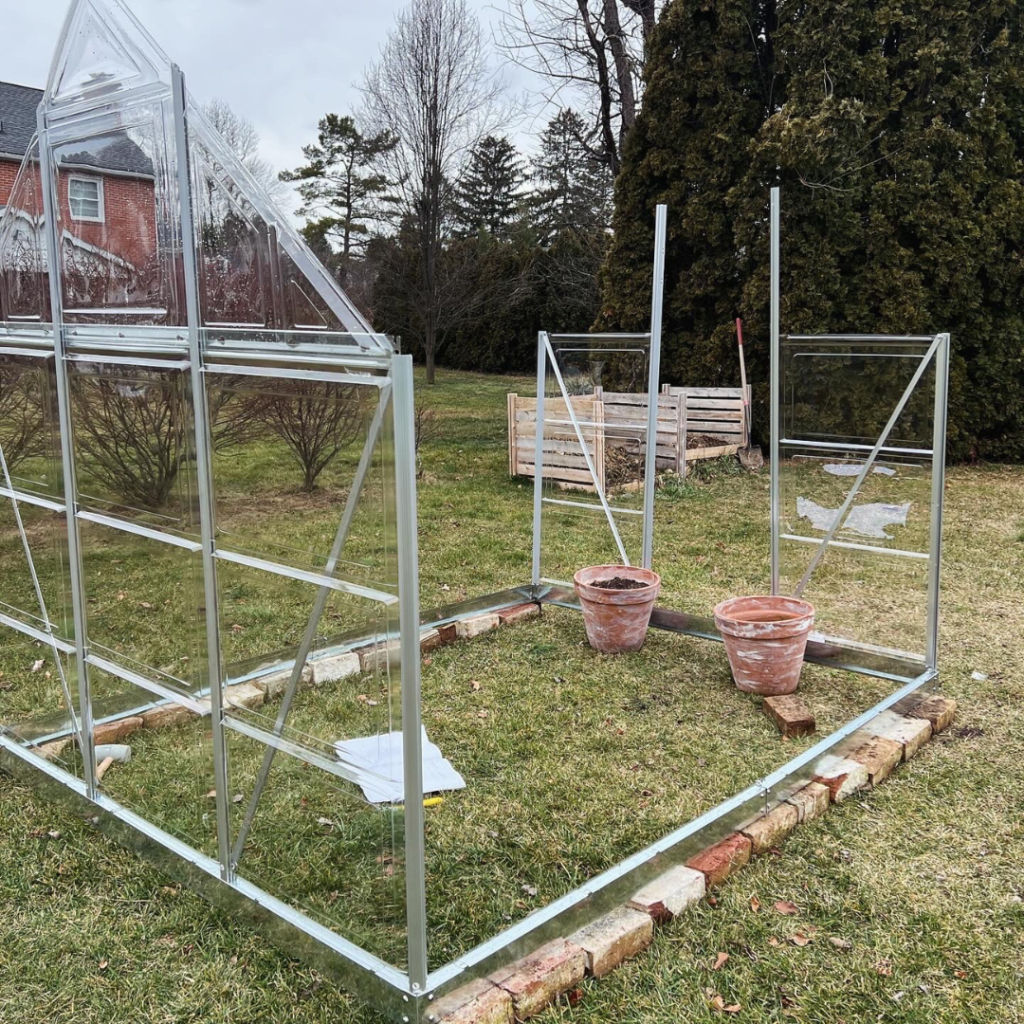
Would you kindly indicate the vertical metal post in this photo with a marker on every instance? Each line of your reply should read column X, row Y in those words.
column 938, row 491
column 51, row 204
column 653, row 380
column 204, row 476
column 538, row 455
column 409, row 631
column 776, row 398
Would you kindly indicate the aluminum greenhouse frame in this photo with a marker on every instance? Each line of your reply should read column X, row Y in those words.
column 85, row 317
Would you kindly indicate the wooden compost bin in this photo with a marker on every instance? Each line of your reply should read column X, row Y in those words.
column 610, row 420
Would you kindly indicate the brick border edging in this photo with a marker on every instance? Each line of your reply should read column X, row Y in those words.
column 255, row 692
column 525, row 988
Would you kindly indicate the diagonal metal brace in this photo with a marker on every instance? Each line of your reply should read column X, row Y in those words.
column 319, row 603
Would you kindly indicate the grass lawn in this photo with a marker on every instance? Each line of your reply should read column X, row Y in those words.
column 578, row 761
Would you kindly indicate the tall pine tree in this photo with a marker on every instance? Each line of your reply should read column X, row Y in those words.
column 896, row 131
column 572, row 186
column 487, row 197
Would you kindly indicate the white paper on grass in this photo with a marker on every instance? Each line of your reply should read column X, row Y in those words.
column 865, row 520
column 378, row 760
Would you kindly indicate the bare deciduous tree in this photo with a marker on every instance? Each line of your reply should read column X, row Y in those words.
column 589, row 49
column 433, row 89
column 244, row 141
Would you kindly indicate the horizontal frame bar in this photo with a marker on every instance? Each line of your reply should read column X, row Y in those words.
column 277, row 372
column 592, row 508
column 126, row 526
column 119, row 359
column 873, row 549
column 851, row 446
column 279, row 569
column 36, row 634
column 200, row 707
column 33, row 499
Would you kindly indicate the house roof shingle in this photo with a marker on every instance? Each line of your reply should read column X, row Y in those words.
column 115, row 152
column 18, row 116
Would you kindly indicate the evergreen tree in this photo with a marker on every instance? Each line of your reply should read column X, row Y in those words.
column 343, row 192
column 897, row 133
column 572, row 186
column 487, row 196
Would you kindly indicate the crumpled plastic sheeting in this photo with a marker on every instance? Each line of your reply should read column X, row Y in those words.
column 864, row 520
column 852, row 469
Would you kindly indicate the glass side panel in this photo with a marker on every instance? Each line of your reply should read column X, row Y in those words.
column 601, row 453
column 315, row 845
column 37, row 687
column 254, row 270
column 288, row 450
column 168, row 778
column 870, row 586
column 46, row 532
column 134, row 440
column 28, row 425
column 24, row 278
column 842, row 392
column 144, row 605
column 119, row 220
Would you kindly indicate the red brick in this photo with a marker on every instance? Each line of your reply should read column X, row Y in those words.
column 536, row 981
column 114, row 732
column 879, row 755
column 448, row 633
column 670, row 894
column 790, row 714
column 910, row 733
column 937, row 710
column 479, row 1002
column 811, row 801
column 613, row 938
column 476, row 624
column 530, row 610
column 842, row 776
column 718, row 862
column 165, row 716
column 770, row 829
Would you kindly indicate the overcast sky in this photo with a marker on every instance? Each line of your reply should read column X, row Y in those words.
column 280, row 63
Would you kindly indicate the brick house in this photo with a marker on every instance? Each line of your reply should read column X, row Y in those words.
column 107, row 215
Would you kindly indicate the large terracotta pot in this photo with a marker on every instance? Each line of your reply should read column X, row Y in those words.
column 765, row 638
column 616, row 619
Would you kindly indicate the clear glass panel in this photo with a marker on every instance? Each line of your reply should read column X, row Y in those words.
column 843, row 392
column 119, row 219
column 35, row 695
column 144, row 605
column 862, row 598
column 105, row 53
column 24, row 281
column 28, row 424
column 134, row 440
column 606, row 384
column 168, row 778
column 254, row 271
column 47, row 538
column 317, row 846
column 286, row 455
column 870, row 586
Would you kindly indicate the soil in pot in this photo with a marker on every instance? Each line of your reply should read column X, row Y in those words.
column 765, row 639
column 617, row 601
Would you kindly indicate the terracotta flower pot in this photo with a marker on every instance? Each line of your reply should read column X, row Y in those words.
column 616, row 615
column 765, row 638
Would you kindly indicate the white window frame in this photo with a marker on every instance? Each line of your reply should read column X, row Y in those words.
column 93, row 180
